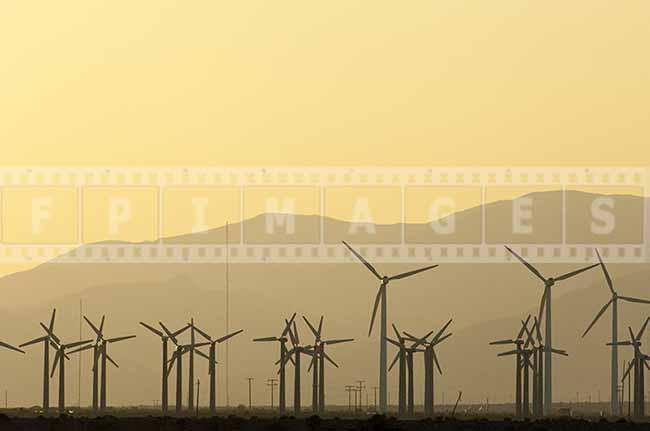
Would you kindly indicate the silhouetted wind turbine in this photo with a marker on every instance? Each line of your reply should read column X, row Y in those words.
column 100, row 347
column 518, row 342
column 212, row 362
column 59, row 360
column 615, row 408
column 400, row 356
column 46, row 340
column 430, row 358
column 548, row 345
column 165, row 387
column 381, row 297
column 177, row 358
column 638, row 364
column 317, row 365
column 297, row 350
column 282, row 339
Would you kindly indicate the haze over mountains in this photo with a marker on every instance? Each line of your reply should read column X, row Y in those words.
column 486, row 301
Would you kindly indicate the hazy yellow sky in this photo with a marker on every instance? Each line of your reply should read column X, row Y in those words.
column 317, row 83
column 89, row 82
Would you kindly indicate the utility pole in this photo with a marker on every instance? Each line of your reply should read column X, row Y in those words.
column 198, row 387
column 6, row 402
column 272, row 383
column 374, row 388
column 227, row 316
column 361, row 387
column 79, row 355
column 349, row 389
column 250, row 400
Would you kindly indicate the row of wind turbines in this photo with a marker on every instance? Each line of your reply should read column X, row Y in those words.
column 534, row 353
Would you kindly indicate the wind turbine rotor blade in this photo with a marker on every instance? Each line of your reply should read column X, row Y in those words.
column 393, row 342
column 441, row 339
column 152, row 329
column 292, row 337
column 183, row 329
column 607, row 277
column 620, row 343
column 410, row 273
column 397, row 334
column 338, row 341
column 500, row 342
column 627, row 371
column 226, row 337
column 93, row 327
column 541, row 307
column 168, row 332
column 201, row 354
column 288, row 323
column 526, row 264
column 524, row 325
column 632, row 338
column 10, row 347
column 77, row 343
column 320, row 327
column 392, row 364
column 51, row 327
column 330, row 359
column 421, row 341
column 34, row 341
column 266, row 339
column 117, row 339
column 642, row 330
column 539, row 331
column 509, row 352
column 374, row 308
column 600, row 313
column 576, row 272
column 172, row 362
column 637, row 300
column 111, row 360
column 81, row 349
column 50, row 333
column 442, row 330
column 189, row 347
column 57, row 358
column 560, row 352
column 435, row 359
column 311, row 327
column 101, row 324
column 364, row 261
column 202, row 333
column 295, row 332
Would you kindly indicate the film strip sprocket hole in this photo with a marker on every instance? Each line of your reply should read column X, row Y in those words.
column 301, row 215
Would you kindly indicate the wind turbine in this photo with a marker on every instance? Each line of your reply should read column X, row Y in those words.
column 177, row 356
column 165, row 387
column 317, row 365
column 100, row 347
column 518, row 342
column 430, row 358
column 59, row 360
column 614, row 342
column 212, row 362
column 638, row 364
column 296, row 351
column 282, row 339
column 400, row 356
column 405, row 355
column 381, row 297
column 46, row 340
column 548, row 345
